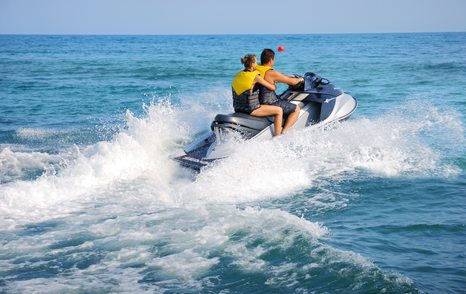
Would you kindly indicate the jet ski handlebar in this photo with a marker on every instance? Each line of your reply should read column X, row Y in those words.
column 299, row 86
column 310, row 80
column 315, row 79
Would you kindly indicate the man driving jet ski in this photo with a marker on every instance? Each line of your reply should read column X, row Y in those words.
column 269, row 97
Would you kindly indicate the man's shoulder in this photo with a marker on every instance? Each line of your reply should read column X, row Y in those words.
column 273, row 72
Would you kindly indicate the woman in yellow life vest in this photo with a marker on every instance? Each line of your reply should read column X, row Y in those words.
column 246, row 97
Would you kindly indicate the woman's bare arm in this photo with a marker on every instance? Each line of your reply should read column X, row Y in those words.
column 264, row 83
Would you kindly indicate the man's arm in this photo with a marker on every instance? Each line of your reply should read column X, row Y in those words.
column 277, row 76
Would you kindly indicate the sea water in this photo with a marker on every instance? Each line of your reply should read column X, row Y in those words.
column 90, row 201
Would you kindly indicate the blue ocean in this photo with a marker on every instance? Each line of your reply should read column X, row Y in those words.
column 91, row 201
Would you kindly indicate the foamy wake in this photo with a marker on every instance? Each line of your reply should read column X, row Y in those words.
column 17, row 165
column 182, row 249
column 188, row 242
column 123, row 210
column 143, row 148
column 135, row 166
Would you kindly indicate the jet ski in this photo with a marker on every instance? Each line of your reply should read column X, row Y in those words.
column 320, row 102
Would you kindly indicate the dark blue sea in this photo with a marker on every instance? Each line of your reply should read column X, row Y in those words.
column 90, row 201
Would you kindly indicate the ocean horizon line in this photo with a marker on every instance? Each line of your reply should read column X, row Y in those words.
column 234, row 34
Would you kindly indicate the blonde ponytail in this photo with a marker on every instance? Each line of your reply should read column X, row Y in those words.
column 248, row 60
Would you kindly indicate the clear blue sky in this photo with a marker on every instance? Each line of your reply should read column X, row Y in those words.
column 230, row 16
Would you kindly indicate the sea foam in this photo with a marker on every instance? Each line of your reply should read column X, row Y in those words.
column 136, row 164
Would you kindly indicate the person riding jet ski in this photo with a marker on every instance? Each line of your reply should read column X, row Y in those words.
column 269, row 97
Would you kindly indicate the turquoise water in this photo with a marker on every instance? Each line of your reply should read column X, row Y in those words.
column 91, row 203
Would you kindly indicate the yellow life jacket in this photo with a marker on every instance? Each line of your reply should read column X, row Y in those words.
column 243, row 81
column 262, row 69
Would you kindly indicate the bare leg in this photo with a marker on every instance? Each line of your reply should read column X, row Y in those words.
column 269, row 110
column 291, row 120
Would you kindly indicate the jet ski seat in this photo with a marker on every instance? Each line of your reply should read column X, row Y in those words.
column 242, row 119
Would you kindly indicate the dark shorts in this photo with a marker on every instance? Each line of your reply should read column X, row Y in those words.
column 246, row 110
column 288, row 107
